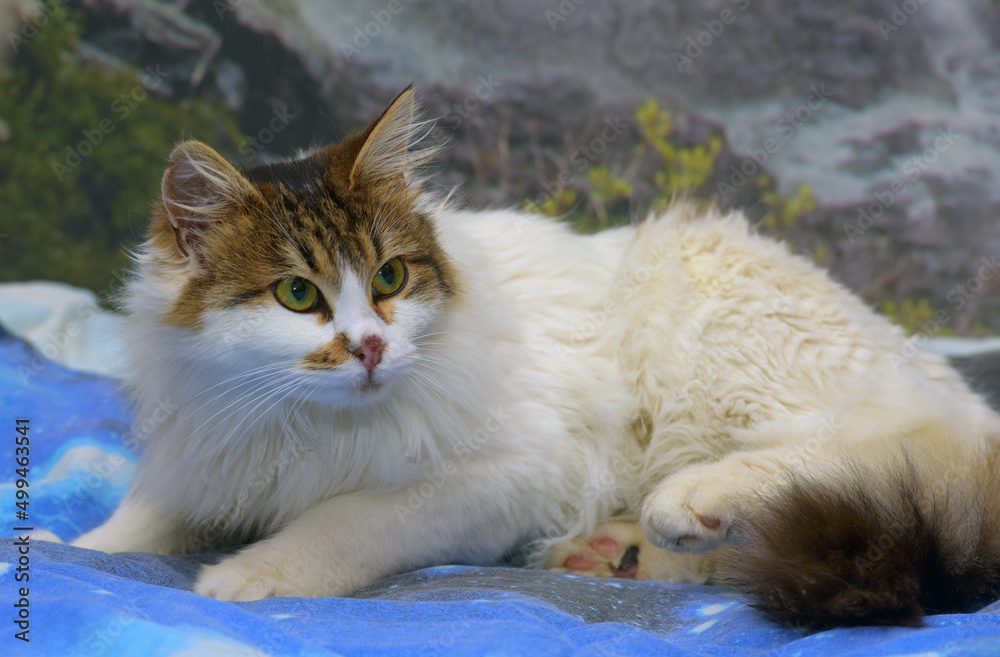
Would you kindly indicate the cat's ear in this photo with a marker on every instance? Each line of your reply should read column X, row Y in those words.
column 198, row 189
column 386, row 152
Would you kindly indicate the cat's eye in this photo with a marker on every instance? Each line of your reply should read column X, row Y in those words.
column 296, row 294
column 389, row 279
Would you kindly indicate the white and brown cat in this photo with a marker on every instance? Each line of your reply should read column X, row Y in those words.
column 368, row 382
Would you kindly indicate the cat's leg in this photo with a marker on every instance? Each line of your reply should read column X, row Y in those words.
column 620, row 549
column 694, row 509
column 353, row 540
column 137, row 527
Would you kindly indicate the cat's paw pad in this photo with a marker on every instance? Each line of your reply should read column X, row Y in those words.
column 612, row 551
column 243, row 578
column 689, row 514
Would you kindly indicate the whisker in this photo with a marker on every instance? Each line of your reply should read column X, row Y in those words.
column 248, row 373
column 258, row 387
column 430, row 380
column 287, row 390
column 288, row 383
column 259, row 375
column 428, row 335
column 184, row 441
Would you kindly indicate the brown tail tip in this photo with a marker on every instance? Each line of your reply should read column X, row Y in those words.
column 819, row 555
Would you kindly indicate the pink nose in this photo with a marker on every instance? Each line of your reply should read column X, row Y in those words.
column 370, row 352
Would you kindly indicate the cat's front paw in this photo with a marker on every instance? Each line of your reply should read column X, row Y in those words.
column 246, row 577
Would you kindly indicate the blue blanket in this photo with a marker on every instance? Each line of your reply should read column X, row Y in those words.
column 80, row 602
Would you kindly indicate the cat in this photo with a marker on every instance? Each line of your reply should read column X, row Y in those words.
column 367, row 381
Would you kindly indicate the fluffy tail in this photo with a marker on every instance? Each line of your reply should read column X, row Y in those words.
column 881, row 546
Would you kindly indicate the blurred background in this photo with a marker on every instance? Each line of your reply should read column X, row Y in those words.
column 865, row 133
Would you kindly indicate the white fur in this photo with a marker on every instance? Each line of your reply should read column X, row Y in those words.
column 685, row 362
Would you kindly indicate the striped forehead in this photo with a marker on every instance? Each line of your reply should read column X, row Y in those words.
column 326, row 227
column 331, row 237
column 323, row 235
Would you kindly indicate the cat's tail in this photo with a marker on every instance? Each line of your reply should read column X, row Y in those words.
column 881, row 546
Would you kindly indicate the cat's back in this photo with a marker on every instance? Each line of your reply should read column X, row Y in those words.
column 719, row 328
column 551, row 276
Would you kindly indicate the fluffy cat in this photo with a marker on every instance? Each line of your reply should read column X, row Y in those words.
column 366, row 382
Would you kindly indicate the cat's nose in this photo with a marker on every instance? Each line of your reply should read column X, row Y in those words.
column 370, row 352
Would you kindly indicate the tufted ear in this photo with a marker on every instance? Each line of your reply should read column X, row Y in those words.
column 386, row 154
column 198, row 188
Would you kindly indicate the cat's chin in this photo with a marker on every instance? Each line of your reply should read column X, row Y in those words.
column 362, row 393
column 370, row 390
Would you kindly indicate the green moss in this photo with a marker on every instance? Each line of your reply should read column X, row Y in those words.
column 783, row 213
column 84, row 156
column 821, row 254
column 685, row 169
column 607, row 187
column 606, row 190
column 557, row 204
column 916, row 316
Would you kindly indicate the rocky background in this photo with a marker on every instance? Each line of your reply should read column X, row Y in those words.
column 866, row 133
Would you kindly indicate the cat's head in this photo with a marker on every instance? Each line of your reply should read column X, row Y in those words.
column 321, row 274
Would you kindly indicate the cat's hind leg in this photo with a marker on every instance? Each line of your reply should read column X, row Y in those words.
column 620, row 549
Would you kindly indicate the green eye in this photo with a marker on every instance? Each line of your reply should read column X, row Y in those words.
column 296, row 294
column 389, row 279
